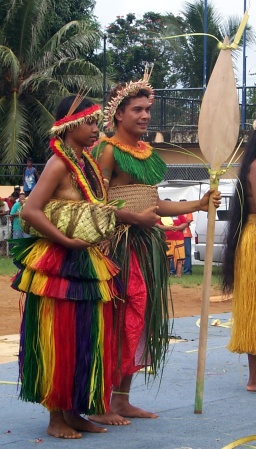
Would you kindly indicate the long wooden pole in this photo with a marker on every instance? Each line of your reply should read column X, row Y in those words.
column 202, row 348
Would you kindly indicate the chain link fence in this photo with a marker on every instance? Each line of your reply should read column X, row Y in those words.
column 5, row 234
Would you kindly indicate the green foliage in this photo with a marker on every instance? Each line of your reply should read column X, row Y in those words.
column 38, row 68
column 189, row 58
column 132, row 42
column 66, row 11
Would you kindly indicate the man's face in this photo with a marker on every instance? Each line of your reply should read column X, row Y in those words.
column 22, row 198
column 29, row 164
column 136, row 116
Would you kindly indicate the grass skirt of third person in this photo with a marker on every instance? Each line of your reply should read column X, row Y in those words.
column 65, row 343
column 243, row 336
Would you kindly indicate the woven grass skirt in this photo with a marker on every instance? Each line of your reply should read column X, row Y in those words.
column 137, row 197
column 243, row 336
column 79, row 219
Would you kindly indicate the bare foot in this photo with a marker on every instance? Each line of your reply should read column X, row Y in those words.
column 126, row 409
column 110, row 419
column 58, row 427
column 251, row 387
column 76, row 421
column 120, row 404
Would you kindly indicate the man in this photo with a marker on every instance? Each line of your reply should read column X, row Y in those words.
column 30, row 177
column 17, row 231
column 11, row 200
column 141, row 329
column 5, row 228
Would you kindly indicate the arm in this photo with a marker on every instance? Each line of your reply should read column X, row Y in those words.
column 171, row 208
column 15, row 211
column 106, row 162
column 54, row 172
column 37, row 174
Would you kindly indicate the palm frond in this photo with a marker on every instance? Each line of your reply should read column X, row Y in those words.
column 9, row 63
column 27, row 19
column 68, row 42
column 42, row 118
column 15, row 131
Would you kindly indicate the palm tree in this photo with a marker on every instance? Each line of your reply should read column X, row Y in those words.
column 188, row 61
column 36, row 72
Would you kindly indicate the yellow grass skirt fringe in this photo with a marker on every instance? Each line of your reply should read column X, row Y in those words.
column 243, row 336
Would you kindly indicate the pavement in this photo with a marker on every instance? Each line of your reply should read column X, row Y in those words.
column 228, row 412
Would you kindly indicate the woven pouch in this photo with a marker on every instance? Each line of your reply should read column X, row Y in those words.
column 137, row 197
column 78, row 219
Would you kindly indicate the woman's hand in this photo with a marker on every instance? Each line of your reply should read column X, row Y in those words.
column 104, row 247
column 77, row 244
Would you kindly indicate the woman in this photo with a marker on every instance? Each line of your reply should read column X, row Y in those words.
column 239, row 265
column 63, row 338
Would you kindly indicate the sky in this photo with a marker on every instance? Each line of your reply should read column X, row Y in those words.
column 108, row 10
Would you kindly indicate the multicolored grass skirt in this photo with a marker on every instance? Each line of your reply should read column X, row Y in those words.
column 65, row 343
column 243, row 334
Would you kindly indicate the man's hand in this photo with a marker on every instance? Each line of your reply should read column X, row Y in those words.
column 204, row 201
column 148, row 217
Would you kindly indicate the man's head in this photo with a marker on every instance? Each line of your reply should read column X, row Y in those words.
column 14, row 196
column 22, row 197
column 29, row 162
column 122, row 96
column 17, row 189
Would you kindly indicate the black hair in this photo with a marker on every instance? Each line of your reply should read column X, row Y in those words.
column 15, row 194
column 66, row 104
column 239, row 211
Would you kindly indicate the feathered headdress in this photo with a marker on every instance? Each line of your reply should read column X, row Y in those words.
column 71, row 120
column 129, row 90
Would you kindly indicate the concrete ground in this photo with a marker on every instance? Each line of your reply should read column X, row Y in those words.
column 229, row 412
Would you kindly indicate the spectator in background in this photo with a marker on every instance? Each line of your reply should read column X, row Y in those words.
column 17, row 231
column 187, row 266
column 4, row 211
column 4, row 226
column 17, row 189
column 173, row 228
column 12, row 199
column 30, row 177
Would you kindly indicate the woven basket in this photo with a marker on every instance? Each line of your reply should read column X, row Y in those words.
column 137, row 197
column 78, row 219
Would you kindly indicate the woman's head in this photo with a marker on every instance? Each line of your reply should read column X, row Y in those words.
column 66, row 104
column 72, row 112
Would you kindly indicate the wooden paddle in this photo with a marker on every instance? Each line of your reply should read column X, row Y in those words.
column 218, row 130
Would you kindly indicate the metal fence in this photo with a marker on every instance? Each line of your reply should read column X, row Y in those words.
column 172, row 110
column 179, row 108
